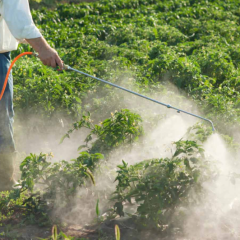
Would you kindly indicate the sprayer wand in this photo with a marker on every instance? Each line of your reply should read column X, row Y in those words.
column 139, row 95
column 68, row 68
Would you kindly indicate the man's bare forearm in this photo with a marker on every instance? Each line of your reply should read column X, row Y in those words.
column 38, row 43
column 47, row 54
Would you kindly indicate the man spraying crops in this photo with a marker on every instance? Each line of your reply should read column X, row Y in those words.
column 16, row 26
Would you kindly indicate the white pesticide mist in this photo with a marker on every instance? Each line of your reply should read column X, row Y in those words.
column 157, row 144
column 35, row 135
column 217, row 218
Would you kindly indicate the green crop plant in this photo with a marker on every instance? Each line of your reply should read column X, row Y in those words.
column 164, row 189
column 63, row 177
column 122, row 128
column 42, row 183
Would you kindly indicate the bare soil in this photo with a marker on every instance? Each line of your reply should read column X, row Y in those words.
column 102, row 231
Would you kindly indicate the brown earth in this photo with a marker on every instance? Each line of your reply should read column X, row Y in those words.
column 102, row 231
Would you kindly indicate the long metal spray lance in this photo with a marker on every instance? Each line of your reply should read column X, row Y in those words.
column 66, row 67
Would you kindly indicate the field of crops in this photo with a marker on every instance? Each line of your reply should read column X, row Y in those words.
column 137, row 168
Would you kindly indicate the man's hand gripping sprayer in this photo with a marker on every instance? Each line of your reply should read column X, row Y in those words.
column 66, row 67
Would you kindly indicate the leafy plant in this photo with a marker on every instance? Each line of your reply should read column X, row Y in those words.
column 122, row 128
column 164, row 189
column 45, row 186
column 58, row 178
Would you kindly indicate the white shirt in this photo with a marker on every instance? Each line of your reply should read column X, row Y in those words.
column 16, row 24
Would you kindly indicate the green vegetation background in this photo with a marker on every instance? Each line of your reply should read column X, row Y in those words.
column 143, row 44
column 193, row 44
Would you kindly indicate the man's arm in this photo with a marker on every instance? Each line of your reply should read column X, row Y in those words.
column 47, row 54
column 18, row 17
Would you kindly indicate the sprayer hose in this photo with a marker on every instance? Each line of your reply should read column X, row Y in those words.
column 9, row 71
